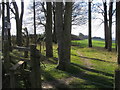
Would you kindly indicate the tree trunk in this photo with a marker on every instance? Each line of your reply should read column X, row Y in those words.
column 117, row 71
column 35, row 36
column 3, row 24
column 89, row 27
column 19, row 22
column 105, row 25
column 117, row 25
column 63, row 32
column 118, row 29
column 110, row 27
column 8, row 19
column 67, row 32
column 54, row 31
column 59, row 33
column 49, row 49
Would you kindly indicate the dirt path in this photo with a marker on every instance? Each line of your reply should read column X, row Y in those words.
column 54, row 84
column 66, row 81
column 86, row 61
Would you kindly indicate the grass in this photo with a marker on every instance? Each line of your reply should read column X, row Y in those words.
column 96, row 43
column 90, row 67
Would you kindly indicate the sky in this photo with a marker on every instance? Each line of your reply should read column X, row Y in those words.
column 97, row 29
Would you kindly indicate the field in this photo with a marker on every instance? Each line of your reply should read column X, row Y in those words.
column 90, row 67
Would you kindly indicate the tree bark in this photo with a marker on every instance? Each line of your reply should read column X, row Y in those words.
column 105, row 25
column 118, row 30
column 19, row 22
column 8, row 19
column 59, row 33
column 117, row 25
column 35, row 36
column 110, row 26
column 89, row 27
column 63, row 32
column 67, row 31
column 3, row 24
column 54, row 31
column 49, row 49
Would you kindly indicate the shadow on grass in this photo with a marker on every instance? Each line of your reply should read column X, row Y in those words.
column 54, row 82
column 91, row 77
column 93, row 58
column 94, row 79
column 93, row 70
column 53, row 60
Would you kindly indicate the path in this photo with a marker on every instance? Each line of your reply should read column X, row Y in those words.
column 64, row 82
column 86, row 61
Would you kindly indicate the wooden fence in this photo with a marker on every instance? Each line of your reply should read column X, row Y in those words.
column 35, row 72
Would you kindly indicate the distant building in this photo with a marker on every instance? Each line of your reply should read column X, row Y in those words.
column 74, row 37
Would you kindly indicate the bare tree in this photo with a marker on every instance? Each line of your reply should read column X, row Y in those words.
column 110, row 26
column 3, row 19
column 118, row 28
column 48, row 31
column 117, row 25
column 105, row 25
column 63, row 32
column 18, row 19
column 8, row 19
column 35, row 36
column 90, row 26
column 117, row 71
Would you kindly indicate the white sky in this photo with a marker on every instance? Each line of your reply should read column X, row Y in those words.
column 96, row 29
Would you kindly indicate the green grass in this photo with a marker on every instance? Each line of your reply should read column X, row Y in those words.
column 96, row 43
column 98, row 73
column 90, row 67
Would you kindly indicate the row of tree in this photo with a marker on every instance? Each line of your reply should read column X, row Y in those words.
column 60, row 27
column 61, row 19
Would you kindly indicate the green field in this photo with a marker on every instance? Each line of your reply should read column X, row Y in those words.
column 90, row 67
column 96, row 43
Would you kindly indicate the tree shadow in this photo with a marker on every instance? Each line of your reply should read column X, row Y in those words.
column 93, row 70
column 53, row 60
column 53, row 81
column 93, row 58
column 94, row 79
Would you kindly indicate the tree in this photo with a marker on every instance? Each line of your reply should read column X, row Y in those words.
column 79, row 13
column 117, row 25
column 105, row 25
column 3, row 21
column 48, row 31
column 110, row 26
column 67, row 31
column 18, row 19
column 0, row 11
column 8, row 19
column 117, row 71
column 118, row 28
column 63, row 32
column 54, row 29
column 35, row 36
column 89, row 27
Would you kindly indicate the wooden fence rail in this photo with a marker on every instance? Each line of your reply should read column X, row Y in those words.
column 21, row 48
column 35, row 74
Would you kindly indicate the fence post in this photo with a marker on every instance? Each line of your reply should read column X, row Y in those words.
column 35, row 66
column 6, row 56
column 117, row 79
column 12, row 79
column 40, row 46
